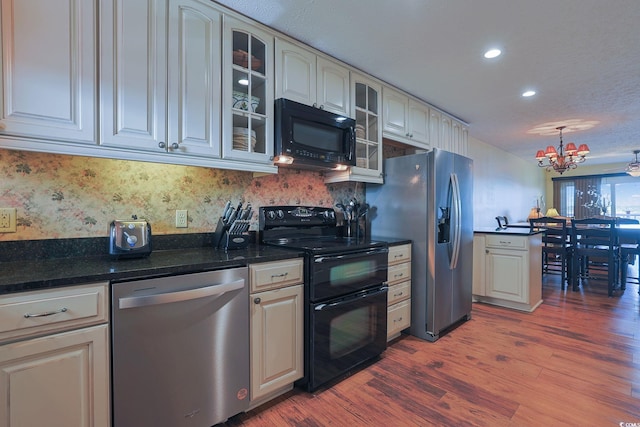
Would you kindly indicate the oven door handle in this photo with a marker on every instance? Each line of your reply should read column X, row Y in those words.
column 349, row 300
column 170, row 297
column 322, row 259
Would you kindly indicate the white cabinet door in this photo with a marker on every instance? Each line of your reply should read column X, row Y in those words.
column 395, row 113
column 366, row 100
column 194, row 73
column 459, row 135
column 276, row 339
column 507, row 273
column 247, row 93
column 445, row 132
column 295, row 73
column 48, row 76
column 133, row 82
column 57, row 380
column 332, row 88
column 435, row 117
column 418, row 124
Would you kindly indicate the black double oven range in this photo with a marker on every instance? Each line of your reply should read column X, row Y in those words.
column 345, row 294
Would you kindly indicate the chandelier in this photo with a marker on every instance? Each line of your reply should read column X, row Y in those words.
column 633, row 168
column 564, row 157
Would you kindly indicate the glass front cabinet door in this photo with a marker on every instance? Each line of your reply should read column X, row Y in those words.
column 247, row 130
column 366, row 98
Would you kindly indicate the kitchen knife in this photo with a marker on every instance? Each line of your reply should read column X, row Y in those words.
column 233, row 216
column 227, row 218
column 247, row 212
column 227, row 206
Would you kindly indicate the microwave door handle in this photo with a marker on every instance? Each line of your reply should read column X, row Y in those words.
column 352, row 142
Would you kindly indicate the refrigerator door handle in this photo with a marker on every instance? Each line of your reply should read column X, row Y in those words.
column 456, row 220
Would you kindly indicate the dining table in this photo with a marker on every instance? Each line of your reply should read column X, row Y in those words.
column 629, row 231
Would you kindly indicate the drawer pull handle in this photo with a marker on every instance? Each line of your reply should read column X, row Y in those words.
column 46, row 313
column 398, row 275
column 398, row 256
column 398, row 295
column 273, row 276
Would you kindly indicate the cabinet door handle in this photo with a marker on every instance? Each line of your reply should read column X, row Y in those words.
column 256, row 300
column 162, row 145
column 46, row 313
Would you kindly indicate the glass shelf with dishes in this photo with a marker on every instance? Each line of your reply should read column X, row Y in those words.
column 247, row 130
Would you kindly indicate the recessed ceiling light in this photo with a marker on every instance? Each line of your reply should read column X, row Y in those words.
column 528, row 93
column 492, row 53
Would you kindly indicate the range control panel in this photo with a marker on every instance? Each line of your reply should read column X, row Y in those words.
column 296, row 216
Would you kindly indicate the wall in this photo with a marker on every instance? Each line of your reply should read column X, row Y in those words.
column 60, row 196
column 503, row 184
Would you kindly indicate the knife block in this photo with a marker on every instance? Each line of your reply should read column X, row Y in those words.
column 223, row 238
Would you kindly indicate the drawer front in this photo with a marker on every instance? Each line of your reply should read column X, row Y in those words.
column 272, row 275
column 33, row 313
column 399, row 273
column 398, row 318
column 506, row 241
column 398, row 254
column 399, row 292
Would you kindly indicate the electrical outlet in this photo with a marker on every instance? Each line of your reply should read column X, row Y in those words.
column 7, row 220
column 181, row 218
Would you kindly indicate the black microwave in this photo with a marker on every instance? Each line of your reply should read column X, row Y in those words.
column 312, row 138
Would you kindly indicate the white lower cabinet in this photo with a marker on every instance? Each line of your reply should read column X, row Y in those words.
column 507, row 270
column 399, row 296
column 50, row 375
column 276, row 328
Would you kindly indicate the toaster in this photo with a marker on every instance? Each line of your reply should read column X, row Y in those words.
column 130, row 238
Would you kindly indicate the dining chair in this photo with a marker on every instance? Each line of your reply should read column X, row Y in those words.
column 556, row 247
column 595, row 252
column 503, row 222
column 629, row 249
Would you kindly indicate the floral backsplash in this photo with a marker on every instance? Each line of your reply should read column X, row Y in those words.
column 58, row 196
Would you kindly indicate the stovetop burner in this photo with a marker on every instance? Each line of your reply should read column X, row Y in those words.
column 312, row 229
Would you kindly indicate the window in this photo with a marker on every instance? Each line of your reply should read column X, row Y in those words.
column 610, row 195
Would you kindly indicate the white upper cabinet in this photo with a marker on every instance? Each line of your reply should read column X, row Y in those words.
column 366, row 96
column 332, row 87
column 247, row 94
column 447, row 133
column 405, row 119
column 48, row 69
column 193, row 74
column 160, row 83
column 310, row 79
column 418, row 125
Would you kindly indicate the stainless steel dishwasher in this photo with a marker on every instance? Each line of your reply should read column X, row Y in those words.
column 180, row 349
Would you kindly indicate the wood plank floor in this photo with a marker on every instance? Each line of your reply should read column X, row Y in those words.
column 574, row 361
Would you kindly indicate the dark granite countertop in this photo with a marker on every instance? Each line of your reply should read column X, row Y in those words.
column 515, row 231
column 31, row 272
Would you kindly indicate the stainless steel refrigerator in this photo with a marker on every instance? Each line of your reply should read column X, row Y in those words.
column 428, row 198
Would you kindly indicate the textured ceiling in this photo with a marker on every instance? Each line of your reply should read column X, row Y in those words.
column 581, row 56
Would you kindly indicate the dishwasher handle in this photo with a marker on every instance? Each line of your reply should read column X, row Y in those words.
column 171, row 297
